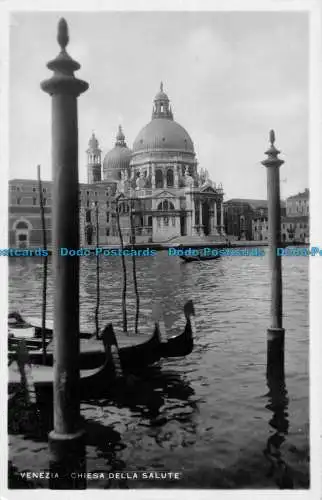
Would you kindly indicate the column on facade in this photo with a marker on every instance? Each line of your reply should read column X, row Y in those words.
column 176, row 175
column 153, row 175
column 189, row 212
column 189, row 223
column 200, row 219
column 194, row 217
column 222, row 225
column 215, row 221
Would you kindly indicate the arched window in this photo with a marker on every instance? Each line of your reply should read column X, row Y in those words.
column 158, row 179
column 165, row 205
column 170, row 178
column 22, row 225
column 22, row 230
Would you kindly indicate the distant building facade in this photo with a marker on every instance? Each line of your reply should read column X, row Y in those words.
column 296, row 226
column 247, row 219
column 25, row 228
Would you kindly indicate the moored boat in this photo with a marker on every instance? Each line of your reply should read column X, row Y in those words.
column 182, row 345
column 198, row 258
column 24, row 374
column 135, row 351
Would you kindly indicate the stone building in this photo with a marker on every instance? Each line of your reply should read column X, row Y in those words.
column 157, row 181
column 25, row 229
column 294, row 223
column 298, row 205
column 295, row 226
column 247, row 219
column 240, row 214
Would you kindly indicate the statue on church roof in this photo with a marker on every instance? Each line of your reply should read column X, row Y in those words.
column 203, row 178
column 188, row 179
column 140, row 181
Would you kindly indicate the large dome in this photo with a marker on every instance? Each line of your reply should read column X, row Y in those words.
column 117, row 159
column 163, row 133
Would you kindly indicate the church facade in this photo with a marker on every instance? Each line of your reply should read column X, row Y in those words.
column 157, row 183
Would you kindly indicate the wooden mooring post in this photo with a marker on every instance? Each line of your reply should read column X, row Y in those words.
column 97, row 273
column 67, row 440
column 276, row 333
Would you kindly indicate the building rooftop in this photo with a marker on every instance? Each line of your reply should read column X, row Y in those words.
column 304, row 194
column 255, row 204
column 295, row 218
column 100, row 185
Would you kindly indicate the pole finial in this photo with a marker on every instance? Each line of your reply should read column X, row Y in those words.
column 62, row 35
column 161, row 86
column 273, row 160
column 63, row 81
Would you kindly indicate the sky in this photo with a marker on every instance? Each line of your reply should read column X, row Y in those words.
column 230, row 77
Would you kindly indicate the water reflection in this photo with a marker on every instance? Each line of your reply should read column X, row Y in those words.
column 201, row 419
column 147, row 395
column 278, row 404
column 146, row 398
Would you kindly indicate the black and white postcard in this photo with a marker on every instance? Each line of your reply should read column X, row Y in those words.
column 161, row 248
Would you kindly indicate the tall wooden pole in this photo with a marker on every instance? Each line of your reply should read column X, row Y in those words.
column 123, row 266
column 97, row 275
column 276, row 333
column 137, row 313
column 67, row 441
column 45, row 268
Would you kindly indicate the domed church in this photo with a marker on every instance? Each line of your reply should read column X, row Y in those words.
column 159, row 178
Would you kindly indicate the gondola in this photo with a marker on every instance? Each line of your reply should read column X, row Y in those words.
column 181, row 345
column 22, row 371
column 198, row 258
column 135, row 351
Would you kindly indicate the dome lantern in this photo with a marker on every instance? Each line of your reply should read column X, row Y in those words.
column 161, row 108
column 163, row 133
column 120, row 138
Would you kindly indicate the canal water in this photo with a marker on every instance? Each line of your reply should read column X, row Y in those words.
column 211, row 416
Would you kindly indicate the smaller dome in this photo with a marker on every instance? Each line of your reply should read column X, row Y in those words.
column 118, row 158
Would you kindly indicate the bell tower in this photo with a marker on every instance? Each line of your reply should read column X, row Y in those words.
column 94, row 165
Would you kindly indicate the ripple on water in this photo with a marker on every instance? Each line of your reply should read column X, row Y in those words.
column 212, row 409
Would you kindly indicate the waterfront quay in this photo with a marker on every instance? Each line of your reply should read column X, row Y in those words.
column 159, row 247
